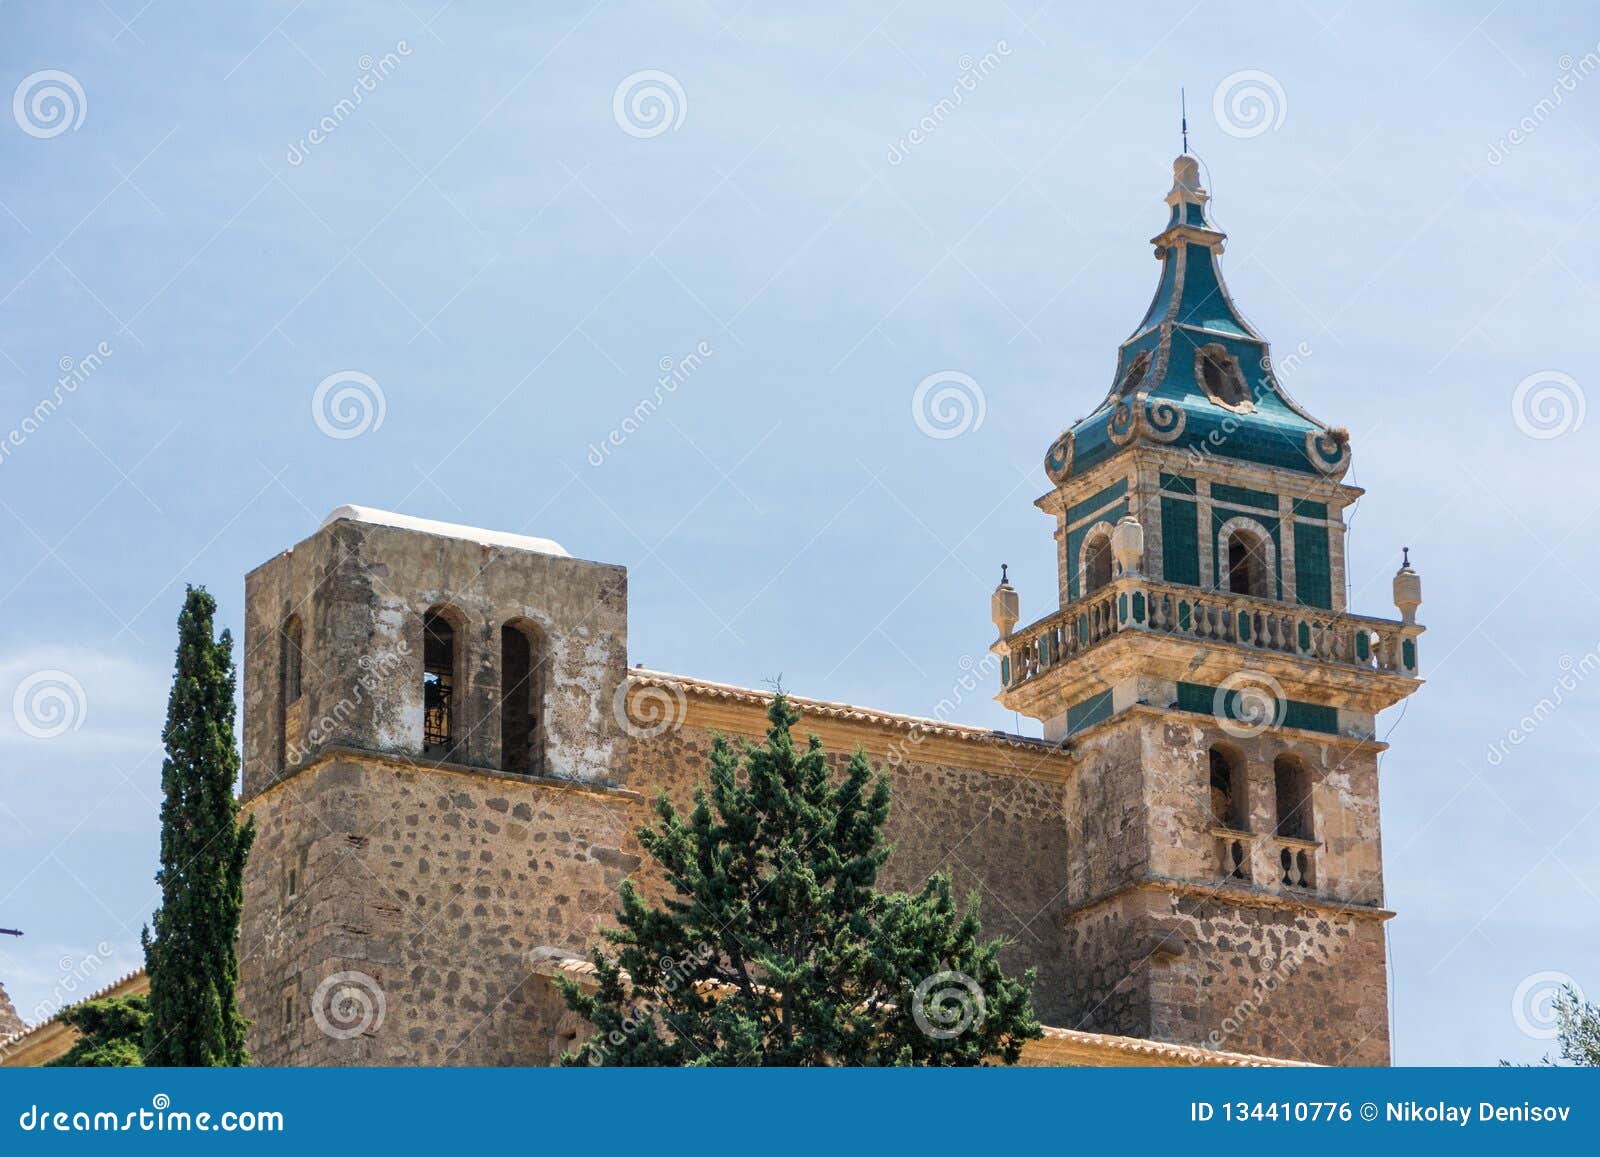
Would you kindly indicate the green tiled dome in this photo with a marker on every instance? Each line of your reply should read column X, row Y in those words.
column 1194, row 375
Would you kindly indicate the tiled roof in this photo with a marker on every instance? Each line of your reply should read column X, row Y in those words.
column 844, row 712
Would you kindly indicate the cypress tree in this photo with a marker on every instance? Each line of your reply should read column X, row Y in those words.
column 192, row 959
column 778, row 949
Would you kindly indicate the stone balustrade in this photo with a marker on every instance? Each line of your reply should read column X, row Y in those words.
column 1132, row 603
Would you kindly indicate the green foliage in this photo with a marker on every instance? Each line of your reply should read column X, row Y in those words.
column 192, row 959
column 110, row 1033
column 1579, row 1028
column 778, row 949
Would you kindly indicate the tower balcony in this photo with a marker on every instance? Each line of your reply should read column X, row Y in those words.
column 1136, row 628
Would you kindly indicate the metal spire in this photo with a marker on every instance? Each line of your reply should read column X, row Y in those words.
column 1183, row 113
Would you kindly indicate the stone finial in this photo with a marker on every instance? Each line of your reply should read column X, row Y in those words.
column 1004, row 604
column 1127, row 545
column 1407, row 588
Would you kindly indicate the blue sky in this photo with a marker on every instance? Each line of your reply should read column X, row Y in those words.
column 485, row 240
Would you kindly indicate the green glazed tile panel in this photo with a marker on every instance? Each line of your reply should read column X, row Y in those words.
column 1180, row 541
column 1091, row 710
column 1313, row 574
column 1241, row 496
column 1177, row 484
column 1308, row 509
column 1093, row 503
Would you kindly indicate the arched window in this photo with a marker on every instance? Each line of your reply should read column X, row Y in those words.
column 1249, row 560
column 1095, row 558
column 1227, row 792
column 293, row 654
column 290, row 659
column 1292, row 785
column 522, row 666
column 440, row 700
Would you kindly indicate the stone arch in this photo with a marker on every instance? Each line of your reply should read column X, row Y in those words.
column 444, row 670
column 1291, row 784
column 524, row 667
column 1247, row 558
column 1095, row 564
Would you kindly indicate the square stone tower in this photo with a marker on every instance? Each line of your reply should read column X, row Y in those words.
column 1225, row 882
column 435, row 759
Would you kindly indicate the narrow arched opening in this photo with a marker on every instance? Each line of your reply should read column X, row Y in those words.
column 1228, row 806
column 1249, row 564
column 1291, row 784
column 440, row 683
column 1096, row 561
column 522, row 667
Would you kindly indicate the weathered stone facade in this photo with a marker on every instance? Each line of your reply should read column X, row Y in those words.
column 448, row 759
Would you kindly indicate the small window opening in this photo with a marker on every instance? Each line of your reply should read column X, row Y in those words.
column 1291, row 784
column 522, row 700
column 1097, row 565
column 1227, row 794
column 438, row 683
column 1247, row 565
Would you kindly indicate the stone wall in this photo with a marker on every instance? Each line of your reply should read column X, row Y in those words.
column 431, row 885
column 424, row 888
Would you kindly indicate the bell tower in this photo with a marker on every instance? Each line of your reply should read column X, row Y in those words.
column 1225, row 882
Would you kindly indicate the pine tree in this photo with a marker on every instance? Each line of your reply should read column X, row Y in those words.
column 110, row 1033
column 778, row 949
column 192, row 959
column 1578, row 1022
